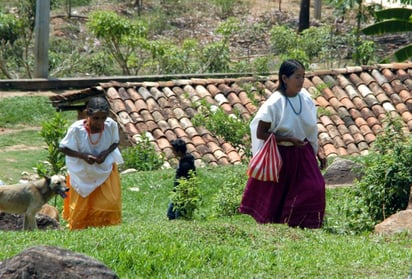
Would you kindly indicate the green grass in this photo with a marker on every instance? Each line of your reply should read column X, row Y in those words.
column 147, row 245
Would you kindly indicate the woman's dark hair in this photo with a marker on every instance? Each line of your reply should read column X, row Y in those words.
column 287, row 69
column 97, row 104
column 179, row 145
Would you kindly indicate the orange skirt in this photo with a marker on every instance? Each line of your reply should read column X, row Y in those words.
column 103, row 207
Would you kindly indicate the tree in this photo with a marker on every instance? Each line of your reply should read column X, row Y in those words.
column 304, row 15
column 397, row 20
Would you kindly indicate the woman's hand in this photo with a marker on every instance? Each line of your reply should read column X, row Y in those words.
column 89, row 158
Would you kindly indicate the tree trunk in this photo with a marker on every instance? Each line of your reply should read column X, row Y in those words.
column 304, row 15
column 318, row 9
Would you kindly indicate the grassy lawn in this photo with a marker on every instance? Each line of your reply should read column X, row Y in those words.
column 147, row 245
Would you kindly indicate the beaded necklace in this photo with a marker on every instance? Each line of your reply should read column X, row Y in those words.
column 300, row 104
column 87, row 126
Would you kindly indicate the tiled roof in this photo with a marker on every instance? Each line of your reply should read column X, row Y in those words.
column 352, row 102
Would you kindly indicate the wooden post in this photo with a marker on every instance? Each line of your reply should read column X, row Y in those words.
column 41, row 44
column 318, row 9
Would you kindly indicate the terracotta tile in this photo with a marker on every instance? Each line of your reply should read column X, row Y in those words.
column 358, row 138
column 123, row 118
column 342, row 151
column 223, row 161
column 146, row 115
column 372, row 121
column 185, row 123
column 168, row 92
column 359, row 103
column 131, row 129
column 366, row 113
column 395, row 99
column 233, row 98
column 377, row 129
column 213, row 90
column 156, row 93
column 190, row 112
column 367, row 78
column 364, row 90
column 381, row 97
column 164, row 103
column 191, row 131
column 179, row 113
column 244, row 99
column 213, row 146
column 328, row 94
column 377, row 109
column 157, row 116
column 405, row 95
column 351, row 91
column 163, row 125
column 355, row 114
column 329, row 149
column 227, row 108
column 363, row 147
column 343, row 129
column 144, row 93
column 343, row 81
column 118, row 105
column 406, row 116
column 332, row 131
column 163, row 143
column 141, row 127
column 380, row 79
column 198, row 140
column 112, row 93
column 347, row 103
column 326, row 120
column 321, row 128
column 151, row 125
column 353, row 149
column 338, row 142
column 209, row 159
column 339, row 93
column 152, row 104
column 234, row 157
column 348, row 139
column 322, row 102
column 251, row 108
column 336, row 120
column 324, row 138
column 221, row 99
column 360, row 122
column 157, row 133
column 140, row 105
column 370, row 138
column 371, row 100
column 365, row 130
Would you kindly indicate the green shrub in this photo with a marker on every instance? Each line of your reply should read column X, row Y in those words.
column 228, row 197
column 387, row 177
column 186, row 196
column 52, row 131
column 232, row 128
column 142, row 156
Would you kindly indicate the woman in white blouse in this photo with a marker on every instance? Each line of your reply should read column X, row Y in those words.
column 298, row 199
column 92, row 155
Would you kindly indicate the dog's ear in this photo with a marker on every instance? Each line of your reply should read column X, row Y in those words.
column 48, row 179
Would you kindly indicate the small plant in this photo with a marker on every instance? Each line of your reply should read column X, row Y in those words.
column 229, row 127
column 186, row 196
column 142, row 156
column 52, row 131
column 228, row 197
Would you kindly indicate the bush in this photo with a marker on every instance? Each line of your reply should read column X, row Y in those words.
column 52, row 131
column 186, row 196
column 387, row 177
column 227, row 199
column 142, row 156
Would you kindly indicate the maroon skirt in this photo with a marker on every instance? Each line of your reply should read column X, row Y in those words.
column 298, row 199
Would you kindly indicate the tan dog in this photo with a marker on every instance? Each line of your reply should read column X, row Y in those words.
column 28, row 198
